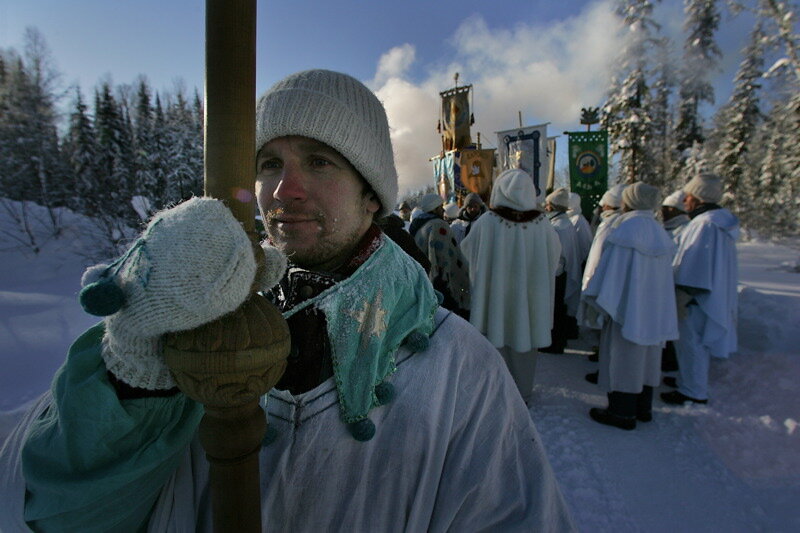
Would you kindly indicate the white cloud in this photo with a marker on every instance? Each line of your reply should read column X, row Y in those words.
column 394, row 64
column 546, row 72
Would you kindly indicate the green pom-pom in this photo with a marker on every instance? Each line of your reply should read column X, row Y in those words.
column 363, row 430
column 417, row 341
column 384, row 391
column 269, row 436
column 102, row 298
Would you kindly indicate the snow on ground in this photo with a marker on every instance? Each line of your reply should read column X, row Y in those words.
column 733, row 465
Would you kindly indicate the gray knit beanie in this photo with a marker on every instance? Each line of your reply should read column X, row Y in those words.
column 559, row 197
column 340, row 111
column 706, row 187
column 641, row 196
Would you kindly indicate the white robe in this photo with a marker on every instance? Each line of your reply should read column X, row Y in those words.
column 632, row 297
column 607, row 219
column 706, row 259
column 471, row 460
column 512, row 269
column 632, row 285
column 570, row 252
column 421, row 471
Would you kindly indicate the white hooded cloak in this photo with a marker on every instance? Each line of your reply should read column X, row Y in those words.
column 632, row 297
column 706, row 260
column 512, row 268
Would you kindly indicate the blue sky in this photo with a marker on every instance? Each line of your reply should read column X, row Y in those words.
column 545, row 58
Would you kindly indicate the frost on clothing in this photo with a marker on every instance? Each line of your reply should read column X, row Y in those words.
column 706, row 261
column 448, row 265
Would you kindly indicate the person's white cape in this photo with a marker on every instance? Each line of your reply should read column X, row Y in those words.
column 512, row 267
column 631, row 284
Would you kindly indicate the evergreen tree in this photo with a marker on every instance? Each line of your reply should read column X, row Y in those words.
column 31, row 167
column 160, row 158
column 778, row 179
column 700, row 56
column 144, row 141
column 81, row 151
column 625, row 115
column 182, row 137
column 115, row 158
column 661, row 117
column 739, row 121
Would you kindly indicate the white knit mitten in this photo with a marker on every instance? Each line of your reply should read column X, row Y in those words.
column 193, row 264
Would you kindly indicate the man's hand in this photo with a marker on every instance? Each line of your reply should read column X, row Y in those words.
column 193, row 264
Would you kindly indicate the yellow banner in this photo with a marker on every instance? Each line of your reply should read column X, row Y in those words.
column 456, row 120
column 476, row 170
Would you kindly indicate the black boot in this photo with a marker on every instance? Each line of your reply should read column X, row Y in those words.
column 592, row 377
column 644, row 404
column 621, row 411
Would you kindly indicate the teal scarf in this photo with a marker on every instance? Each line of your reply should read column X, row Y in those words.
column 386, row 302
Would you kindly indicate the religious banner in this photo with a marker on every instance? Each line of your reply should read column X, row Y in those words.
column 588, row 167
column 455, row 118
column 476, row 171
column 444, row 170
column 525, row 148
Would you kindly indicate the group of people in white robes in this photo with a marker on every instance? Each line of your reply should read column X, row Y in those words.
column 644, row 288
column 646, row 284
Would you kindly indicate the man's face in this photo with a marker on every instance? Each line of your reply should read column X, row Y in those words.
column 549, row 207
column 314, row 203
column 473, row 209
column 690, row 203
column 405, row 213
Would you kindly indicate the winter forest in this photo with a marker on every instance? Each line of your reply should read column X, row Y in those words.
column 124, row 151
column 129, row 154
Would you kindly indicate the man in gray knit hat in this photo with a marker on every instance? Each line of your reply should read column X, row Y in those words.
column 393, row 413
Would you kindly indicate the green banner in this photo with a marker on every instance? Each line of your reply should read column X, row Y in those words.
column 588, row 167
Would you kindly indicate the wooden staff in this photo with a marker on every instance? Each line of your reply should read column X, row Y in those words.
column 229, row 364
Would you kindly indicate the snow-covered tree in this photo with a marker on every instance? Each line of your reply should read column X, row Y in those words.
column 80, row 149
column 661, row 116
column 738, row 123
column 115, row 158
column 184, row 145
column 700, row 57
column 776, row 204
column 31, row 165
column 626, row 115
